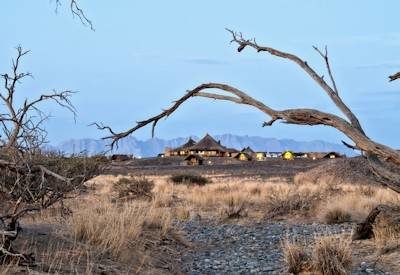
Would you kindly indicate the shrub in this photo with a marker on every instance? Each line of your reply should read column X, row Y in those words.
column 189, row 179
column 233, row 208
column 335, row 215
column 329, row 255
column 351, row 206
column 45, row 178
column 286, row 200
column 134, row 188
column 332, row 255
column 296, row 257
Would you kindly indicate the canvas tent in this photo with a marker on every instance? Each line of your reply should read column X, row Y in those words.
column 288, row 155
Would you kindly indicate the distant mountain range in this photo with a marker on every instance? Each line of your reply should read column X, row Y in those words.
column 154, row 146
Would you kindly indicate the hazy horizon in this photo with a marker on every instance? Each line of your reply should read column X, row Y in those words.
column 144, row 138
column 143, row 55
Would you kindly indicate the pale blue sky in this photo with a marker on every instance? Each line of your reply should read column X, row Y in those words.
column 144, row 54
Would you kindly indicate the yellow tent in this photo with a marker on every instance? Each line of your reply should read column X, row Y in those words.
column 288, row 155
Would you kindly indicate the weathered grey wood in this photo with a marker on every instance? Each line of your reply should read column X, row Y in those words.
column 381, row 215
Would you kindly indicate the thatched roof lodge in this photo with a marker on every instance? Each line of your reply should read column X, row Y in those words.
column 209, row 147
column 182, row 150
column 206, row 147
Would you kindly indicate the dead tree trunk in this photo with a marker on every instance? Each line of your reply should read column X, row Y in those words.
column 380, row 216
column 384, row 161
column 9, row 230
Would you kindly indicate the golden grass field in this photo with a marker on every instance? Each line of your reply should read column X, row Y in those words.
column 103, row 233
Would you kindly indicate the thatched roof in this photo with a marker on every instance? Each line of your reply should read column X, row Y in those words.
column 186, row 145
column 208, row 143
column 231, row 150
column 248, row 150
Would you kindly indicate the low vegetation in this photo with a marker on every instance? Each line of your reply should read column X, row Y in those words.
column 331, row 255
column 132, row 231
column 328, row 255
column 134, row 188
column 233, row 208
column 118, row 229
column 189, row 179
column 386, row 236
column 296, row 257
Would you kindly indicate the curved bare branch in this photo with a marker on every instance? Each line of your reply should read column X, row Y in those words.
column 394, row 76
column 290, row 116
column 334, row 95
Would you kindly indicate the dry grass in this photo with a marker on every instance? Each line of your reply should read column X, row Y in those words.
column 55, row 256
column 386, row 237
column 334, row 214
column 332, row 255
column 115, row 228
column 163, row 194
column 328, row 255
column 296, row 257
column 59, row 257
column 126, row 232
column 131, row 188
column 354, row 203
column 189, row 179
column 257, row 199
column 9, row 268
column 233, row 207
column 287, row 199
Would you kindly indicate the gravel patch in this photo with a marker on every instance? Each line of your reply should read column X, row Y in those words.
column 245, row 249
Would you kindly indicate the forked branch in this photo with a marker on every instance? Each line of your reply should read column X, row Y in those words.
column 21, row 125
column 77, row 11
column 331, row 92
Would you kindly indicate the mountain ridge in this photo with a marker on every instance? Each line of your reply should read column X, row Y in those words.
column 152, row 147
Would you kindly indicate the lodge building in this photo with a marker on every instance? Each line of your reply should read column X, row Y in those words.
column 206, row 147
column 195, row 152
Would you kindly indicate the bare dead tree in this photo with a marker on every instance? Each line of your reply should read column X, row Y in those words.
column 21, row 124
column 379, row 155
column 29, row 177
column 77, row 11
column 394, row 76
